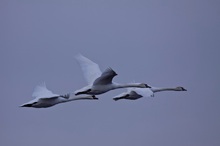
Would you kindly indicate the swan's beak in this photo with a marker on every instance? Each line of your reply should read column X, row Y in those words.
column 26, row 105
column 184, row 89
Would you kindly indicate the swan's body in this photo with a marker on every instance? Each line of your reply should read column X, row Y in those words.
column 135, row 93
column 99, row 82
column 45, row 98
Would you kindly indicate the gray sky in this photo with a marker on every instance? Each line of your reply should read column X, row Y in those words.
column 162, row 43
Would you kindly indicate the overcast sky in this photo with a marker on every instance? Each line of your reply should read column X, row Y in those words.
column 164, row 43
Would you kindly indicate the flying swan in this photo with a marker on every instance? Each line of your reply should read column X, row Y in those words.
column 45, row 98
column 136, row 93
column 99, row 82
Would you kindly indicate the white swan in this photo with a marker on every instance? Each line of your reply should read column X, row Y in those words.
column 136, row 93
column 99, row 82
column 45, row 98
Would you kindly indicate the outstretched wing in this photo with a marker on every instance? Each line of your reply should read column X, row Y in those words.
column 41, row 91
column 91, row 70
column 106, row 77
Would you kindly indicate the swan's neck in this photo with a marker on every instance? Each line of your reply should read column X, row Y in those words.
column 130, row 85
column 154, row 89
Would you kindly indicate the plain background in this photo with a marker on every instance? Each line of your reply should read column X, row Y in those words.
column 163, row 43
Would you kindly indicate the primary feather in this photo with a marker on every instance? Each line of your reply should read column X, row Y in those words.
column 91, row 70
column 41, row 91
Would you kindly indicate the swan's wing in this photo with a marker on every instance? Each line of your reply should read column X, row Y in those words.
column 41, row 91
column 91, row 70
column 106, row 77
column 145, row 92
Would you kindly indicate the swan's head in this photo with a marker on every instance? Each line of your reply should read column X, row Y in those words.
column 180, row 88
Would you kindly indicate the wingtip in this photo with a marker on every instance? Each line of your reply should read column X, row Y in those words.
column 78, row 55
column 110, row 69
column 81, row 58
column 42, row 84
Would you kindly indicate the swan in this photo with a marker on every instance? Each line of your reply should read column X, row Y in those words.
column 99, row 82
column 136, row 93
column 45, row 98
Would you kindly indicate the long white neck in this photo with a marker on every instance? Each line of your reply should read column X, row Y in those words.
column 129, row 85
column 155, row 89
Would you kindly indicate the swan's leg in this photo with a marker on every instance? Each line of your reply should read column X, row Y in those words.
column 94, row 97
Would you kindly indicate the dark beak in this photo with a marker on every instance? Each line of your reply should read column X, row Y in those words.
column 184, row 89
column 26, row 105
